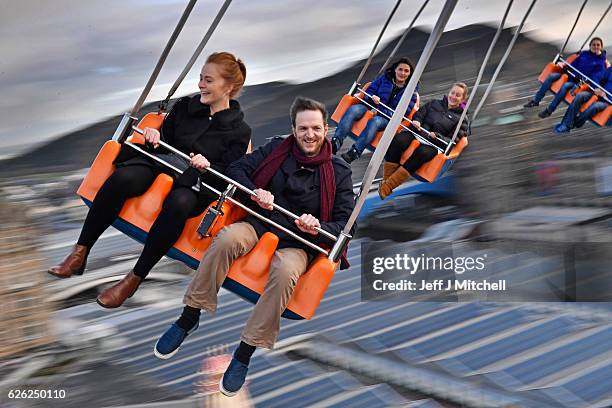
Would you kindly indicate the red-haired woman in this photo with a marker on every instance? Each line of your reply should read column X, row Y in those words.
column 210, row 128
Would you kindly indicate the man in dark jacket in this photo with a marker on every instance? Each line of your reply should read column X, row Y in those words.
column 300, row 174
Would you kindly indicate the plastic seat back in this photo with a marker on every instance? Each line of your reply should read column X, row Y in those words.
column 101, row 169
column 588, row 103
column 249, row 275
column 346, row 102
column 374, row 143
column 553, row 68
column 604, row 118
column 556, row 86
column 440, row 163
column 570, row 96
column 430, row 171
column 361, row 124
column 252, row 269
column 311, row 287
column 139, row 211
column 142, row 211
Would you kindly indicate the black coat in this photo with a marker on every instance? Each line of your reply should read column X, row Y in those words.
column 298, row 189
column 435, row 116
column 222, row 138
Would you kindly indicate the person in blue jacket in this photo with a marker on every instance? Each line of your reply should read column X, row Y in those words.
column 573, row 117
column 388, row 89
column 588, row 63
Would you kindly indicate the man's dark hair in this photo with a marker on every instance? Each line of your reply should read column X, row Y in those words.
column 303, row 104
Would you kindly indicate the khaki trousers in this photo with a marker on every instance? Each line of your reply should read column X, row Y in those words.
column 233, row 241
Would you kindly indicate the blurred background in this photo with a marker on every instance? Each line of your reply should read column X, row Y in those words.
column 536, row 200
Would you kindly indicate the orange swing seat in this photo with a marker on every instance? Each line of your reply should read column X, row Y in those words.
column 347, row 101
column 248, row 274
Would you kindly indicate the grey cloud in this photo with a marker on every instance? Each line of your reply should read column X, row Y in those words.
column 68, row 63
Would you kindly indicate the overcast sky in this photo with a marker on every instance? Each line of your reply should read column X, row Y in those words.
column 67, row 63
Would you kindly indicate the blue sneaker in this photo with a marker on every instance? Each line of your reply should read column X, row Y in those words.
column 170, row 342
column 234, row 377
column 561, row 128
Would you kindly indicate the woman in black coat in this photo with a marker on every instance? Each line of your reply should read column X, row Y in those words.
column 440, row 118
column 210, row 128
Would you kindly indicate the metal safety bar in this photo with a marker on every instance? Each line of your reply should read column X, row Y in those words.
column 357, row 185
column 240, row 186
column 239, row 204
column 421, row 138
column 389, row 132
column 583, row 76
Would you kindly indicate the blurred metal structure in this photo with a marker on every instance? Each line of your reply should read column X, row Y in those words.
column 26, row 311
column 517, row 32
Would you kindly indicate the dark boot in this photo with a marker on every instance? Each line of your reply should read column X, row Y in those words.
column 336, row 144
column 117, row 294
column 74, row 264
column 387, row 186
column 351, row 155
column 388, row 169
column 545, row 113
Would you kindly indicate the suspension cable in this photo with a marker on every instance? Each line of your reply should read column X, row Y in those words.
column 389, row 131
column 479, row 77
column 162, row 58
column 502, row 61
column 402, row 38
column 574, row 26
column 597, row 25
column 371, row 56
column 196, row 54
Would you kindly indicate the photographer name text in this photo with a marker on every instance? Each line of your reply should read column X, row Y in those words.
column 440, row 285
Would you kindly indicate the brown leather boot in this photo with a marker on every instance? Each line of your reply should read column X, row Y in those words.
column 74, row 264
column 398, row 177
column 119, row 292
column 388, row 169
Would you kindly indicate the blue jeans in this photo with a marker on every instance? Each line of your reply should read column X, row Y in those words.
column 352, row 114
column 546, row 86
column 573, row 111
column 591, row 111
column 375, row 124
column 565, row 88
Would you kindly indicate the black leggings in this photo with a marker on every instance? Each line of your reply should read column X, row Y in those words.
column 132, row 181
column 421, row 155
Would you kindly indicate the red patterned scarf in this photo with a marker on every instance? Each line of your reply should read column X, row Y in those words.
column 270, row 165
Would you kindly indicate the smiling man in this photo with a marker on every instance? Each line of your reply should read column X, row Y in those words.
column 300, row 174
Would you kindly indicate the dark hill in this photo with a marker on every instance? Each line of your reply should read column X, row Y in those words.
column 457, row 57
